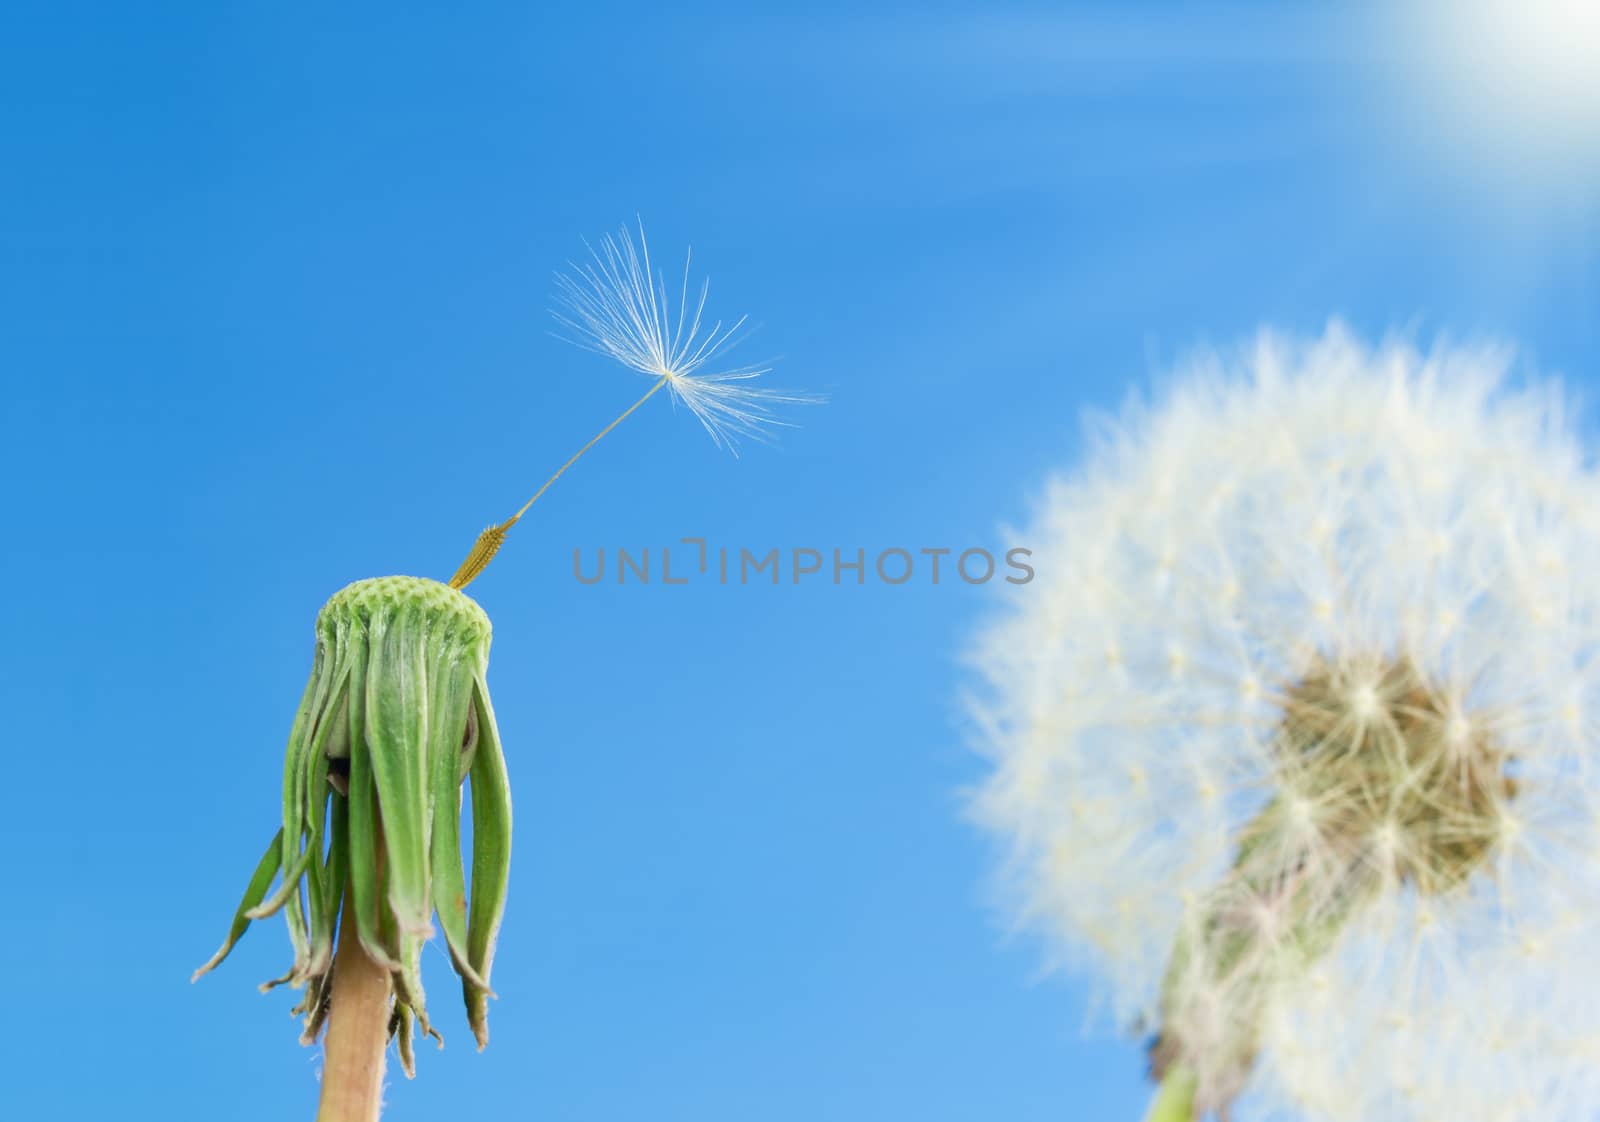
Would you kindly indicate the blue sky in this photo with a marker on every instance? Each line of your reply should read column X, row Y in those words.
column 273, row 292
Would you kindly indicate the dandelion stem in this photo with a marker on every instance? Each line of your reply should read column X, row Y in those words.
column 1174, row 1101
column 489, row 542
column 358, row 1032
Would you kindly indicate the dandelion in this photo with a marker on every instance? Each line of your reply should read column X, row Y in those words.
column 396, row 721
column 1293, row 744
column 616, row 306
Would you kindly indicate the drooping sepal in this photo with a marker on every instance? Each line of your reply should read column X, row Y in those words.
column 491, row 859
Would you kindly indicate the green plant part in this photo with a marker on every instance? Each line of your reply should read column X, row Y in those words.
column 395, row 719
column 1174, row 1102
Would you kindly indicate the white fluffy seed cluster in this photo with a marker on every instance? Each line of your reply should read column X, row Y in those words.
column 1293, row 738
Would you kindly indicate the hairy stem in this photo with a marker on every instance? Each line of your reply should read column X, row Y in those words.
column 1174, row 1101
column 358, row 1032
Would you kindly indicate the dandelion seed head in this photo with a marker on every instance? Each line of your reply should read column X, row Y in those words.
column 1328, row 603
column 617, row 305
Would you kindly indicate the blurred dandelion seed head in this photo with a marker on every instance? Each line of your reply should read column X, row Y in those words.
column 617, row 305
column 1293, row 739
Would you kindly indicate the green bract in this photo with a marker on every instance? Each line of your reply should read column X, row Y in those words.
column 395, row 718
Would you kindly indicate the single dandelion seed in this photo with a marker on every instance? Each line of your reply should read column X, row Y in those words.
column 1325, row 901
column 615, row 305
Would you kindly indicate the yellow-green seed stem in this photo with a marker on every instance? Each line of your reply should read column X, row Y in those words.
column 1174, row 1101
column 490, row 541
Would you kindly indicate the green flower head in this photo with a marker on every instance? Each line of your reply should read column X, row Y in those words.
column 395, row 719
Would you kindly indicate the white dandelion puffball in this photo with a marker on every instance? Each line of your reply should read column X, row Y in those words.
column 1293, row 739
